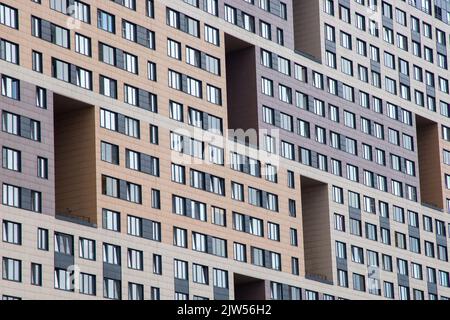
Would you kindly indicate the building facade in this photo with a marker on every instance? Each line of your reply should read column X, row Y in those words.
column 225, row 149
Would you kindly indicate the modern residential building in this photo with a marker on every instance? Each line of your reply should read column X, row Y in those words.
column 225, row 149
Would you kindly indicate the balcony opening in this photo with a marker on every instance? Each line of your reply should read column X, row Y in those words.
column 249, row 288
column 307, row 29
column 316, row 230
column 75, row 177
column 241, row 84
column 430, row 174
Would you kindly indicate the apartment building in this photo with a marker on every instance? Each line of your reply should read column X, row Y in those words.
column 225, row 149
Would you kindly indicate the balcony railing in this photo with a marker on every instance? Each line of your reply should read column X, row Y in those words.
column 308, row 56
column 432, row 206
column 82, row 220
column 319, row 278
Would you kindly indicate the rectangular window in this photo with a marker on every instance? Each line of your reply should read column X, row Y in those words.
column 200, row 274
column 42, row 167
column 273, row 231
column 12, row 232
column 180, row 237
column 108, row 87
column 9, row 16
column 214, row 94
column 9, row 51
column 11, row 195
column 42, row 239
column 87, row 284
column 36, row 274
column 11, row 159
column 135, row 259
column 212, row 35
column 111, row 220
column 151, row 71
column 63, row 243
column 111, row 254
column 154, row 136
column 157, row 264
column 87, row 249
column 82, row 44
column 112, row 289
column 106, row 21
column 181, row 269
column 220, row 278
column 37, row 64
column 10, row 87
column 155, row 198
column 109, row 152
column 12, row 269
